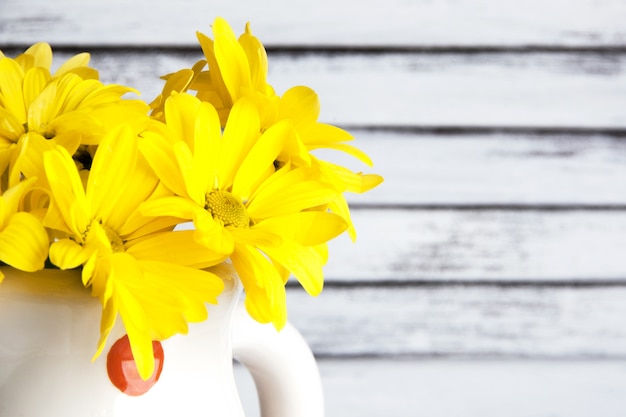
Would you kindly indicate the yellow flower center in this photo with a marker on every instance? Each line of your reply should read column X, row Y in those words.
column 117, row 244
column 227, row 208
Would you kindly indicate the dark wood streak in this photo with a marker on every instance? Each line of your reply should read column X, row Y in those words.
column 510, row 207
column 427, row 283
column 332, row 50
column 470, row 131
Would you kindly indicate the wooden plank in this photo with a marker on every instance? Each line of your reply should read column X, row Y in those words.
column 325, row 22
column 490, row 169
column 473, row 90
column 442, row 245
column 478, row 321
column 527, row 90
column 460, row 388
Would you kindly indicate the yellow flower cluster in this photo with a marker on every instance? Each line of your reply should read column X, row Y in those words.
column 93, row 180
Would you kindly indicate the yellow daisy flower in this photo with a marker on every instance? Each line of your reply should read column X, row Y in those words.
column 23, row 239
column 241, row 206
column 39, row 110
column 40, row 55
column 137, row 266
column 301, row 105
column 237, row 67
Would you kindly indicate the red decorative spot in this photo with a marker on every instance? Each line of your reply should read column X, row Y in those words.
column 123, row 372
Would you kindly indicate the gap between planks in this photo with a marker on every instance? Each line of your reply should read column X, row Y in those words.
column 539, row 132
column 328, row 49
column 508, row 207
column 428, row 283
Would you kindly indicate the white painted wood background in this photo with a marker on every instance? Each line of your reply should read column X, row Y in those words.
column 489, row 276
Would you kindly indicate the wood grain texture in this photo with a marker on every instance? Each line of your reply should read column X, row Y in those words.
column 518, row 169
column 489, row 272
column 413, row 89
column 324, row 22
column 479, row 245
column 462, row 388
column 478, row 321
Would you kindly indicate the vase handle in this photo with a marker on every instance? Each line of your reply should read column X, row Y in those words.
column 282, row 365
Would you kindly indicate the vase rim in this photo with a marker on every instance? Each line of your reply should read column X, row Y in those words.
column 47, row 284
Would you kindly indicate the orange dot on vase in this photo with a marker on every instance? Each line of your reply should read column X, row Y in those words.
column 123, row 371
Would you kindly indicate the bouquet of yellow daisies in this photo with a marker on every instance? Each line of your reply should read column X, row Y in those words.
column 96, row 181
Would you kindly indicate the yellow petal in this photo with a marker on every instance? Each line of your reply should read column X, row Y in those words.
column 11, row 199
column 217, row 82
column 43, row 109
column 370, row 181
column 260, row 157
column 321, row 135
column 265, row 291
column 138, row 225
column 350, row 181
column 77, row 61
column 177, row 82
column 304, row 263
column 256, row 236
column 195, row 187
column 86, row 73
column 349, row 149
column 290, row 192
column 308, row 228
column 179, row 207
column 197, row 288
column 295, row 152
column 125, row 270
column 42, row 54
column 35, row 81
column 240, row 134
column 28, row 159
column 12, row 97
column 206, row 145
column 232, row 60
column 24, row 243
column 67, row 254
column 100, row 120
column 107, row 321
column 157, row 149
column 213, row 234
column 257, row 59
column 340, row 207
column 99, row 94
column 175, row 247
column 67, row 191
column 154, row 303
column 25, row 61
column 180, row 115
column 300, row 104
column 10, row 127
column 137, row 189
column 113, row 166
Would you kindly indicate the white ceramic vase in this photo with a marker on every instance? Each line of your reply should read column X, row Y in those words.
column 49, row 327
